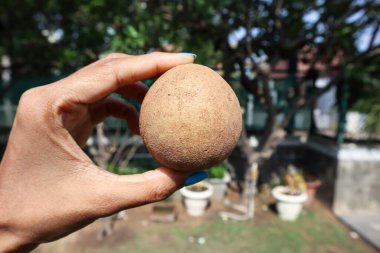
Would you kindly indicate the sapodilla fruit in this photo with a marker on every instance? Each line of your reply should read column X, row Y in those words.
column 190, row 118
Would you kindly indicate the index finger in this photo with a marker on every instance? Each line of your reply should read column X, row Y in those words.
column 109, row 74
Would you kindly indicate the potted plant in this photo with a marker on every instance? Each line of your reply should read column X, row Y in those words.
column 196, row 198
column 290, row 198
column 219, row 178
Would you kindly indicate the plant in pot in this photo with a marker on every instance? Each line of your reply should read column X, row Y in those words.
column 196, row 198
column 219, row 178
column 291, row 196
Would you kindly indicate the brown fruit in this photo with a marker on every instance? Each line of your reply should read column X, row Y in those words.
column 190, row 118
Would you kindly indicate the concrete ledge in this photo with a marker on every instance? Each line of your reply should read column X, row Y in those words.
column 357, row 153
column 368, row 226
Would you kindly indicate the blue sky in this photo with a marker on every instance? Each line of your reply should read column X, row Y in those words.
column 362, row 39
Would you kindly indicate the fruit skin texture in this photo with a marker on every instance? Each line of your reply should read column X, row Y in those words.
column 190, row 118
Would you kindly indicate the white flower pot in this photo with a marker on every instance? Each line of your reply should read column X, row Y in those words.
column 196, row 202
column 220, row 186
column 288, row 206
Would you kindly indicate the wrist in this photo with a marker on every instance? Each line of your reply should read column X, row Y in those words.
column 10, row 243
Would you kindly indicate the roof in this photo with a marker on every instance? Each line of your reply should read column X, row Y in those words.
column 305, row 60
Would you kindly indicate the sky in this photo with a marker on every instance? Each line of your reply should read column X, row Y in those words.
column 310, row 18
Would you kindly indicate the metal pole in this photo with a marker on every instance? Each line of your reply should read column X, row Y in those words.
column 343, row 108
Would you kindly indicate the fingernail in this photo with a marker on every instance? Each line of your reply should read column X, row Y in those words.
column 190, row 54
column 195, row 178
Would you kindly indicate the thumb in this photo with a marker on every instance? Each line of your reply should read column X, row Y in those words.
column 122, row 192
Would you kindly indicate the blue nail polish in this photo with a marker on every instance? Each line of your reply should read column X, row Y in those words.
column 195, row 178
column 191, row 54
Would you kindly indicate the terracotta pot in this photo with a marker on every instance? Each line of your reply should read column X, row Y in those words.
column 311, row 191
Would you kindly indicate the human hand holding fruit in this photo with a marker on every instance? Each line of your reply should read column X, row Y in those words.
column 48, row 186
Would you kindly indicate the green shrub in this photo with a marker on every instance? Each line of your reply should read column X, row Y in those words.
column 373, row 121
column 217, row 171
column 132, row 168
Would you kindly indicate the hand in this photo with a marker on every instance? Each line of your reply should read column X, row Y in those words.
column 48, row 186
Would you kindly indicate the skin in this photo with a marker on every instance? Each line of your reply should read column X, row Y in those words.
column 49, row 187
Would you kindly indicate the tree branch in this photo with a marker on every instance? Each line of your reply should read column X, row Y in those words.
column 374, row 33
column 271, row 119
column 277, row 11
column 370, row 53
column 250, row 85
column 248, row 38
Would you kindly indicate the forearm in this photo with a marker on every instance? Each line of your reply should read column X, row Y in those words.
column 10, row 240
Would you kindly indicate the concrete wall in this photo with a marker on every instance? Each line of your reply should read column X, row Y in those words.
column 350, row 174
column 357, row 187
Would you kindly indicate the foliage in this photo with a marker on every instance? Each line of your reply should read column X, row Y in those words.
column 365, row 91
column 373, row 122
column 135, row 167
column 295, row 181
column 243, row 39
column 217, row 171
column 366, row 94
column 62, row 36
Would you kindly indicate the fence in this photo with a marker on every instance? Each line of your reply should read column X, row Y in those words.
column 7, row 113
column 256, row 116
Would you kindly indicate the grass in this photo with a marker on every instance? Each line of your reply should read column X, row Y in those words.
column 312, row 232
column 134, row 167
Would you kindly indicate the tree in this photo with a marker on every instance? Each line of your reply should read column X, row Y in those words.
column 249, row 38
column 269, row 32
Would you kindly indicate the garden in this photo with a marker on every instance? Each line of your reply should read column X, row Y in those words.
column 304, row 174
column 316, row 230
